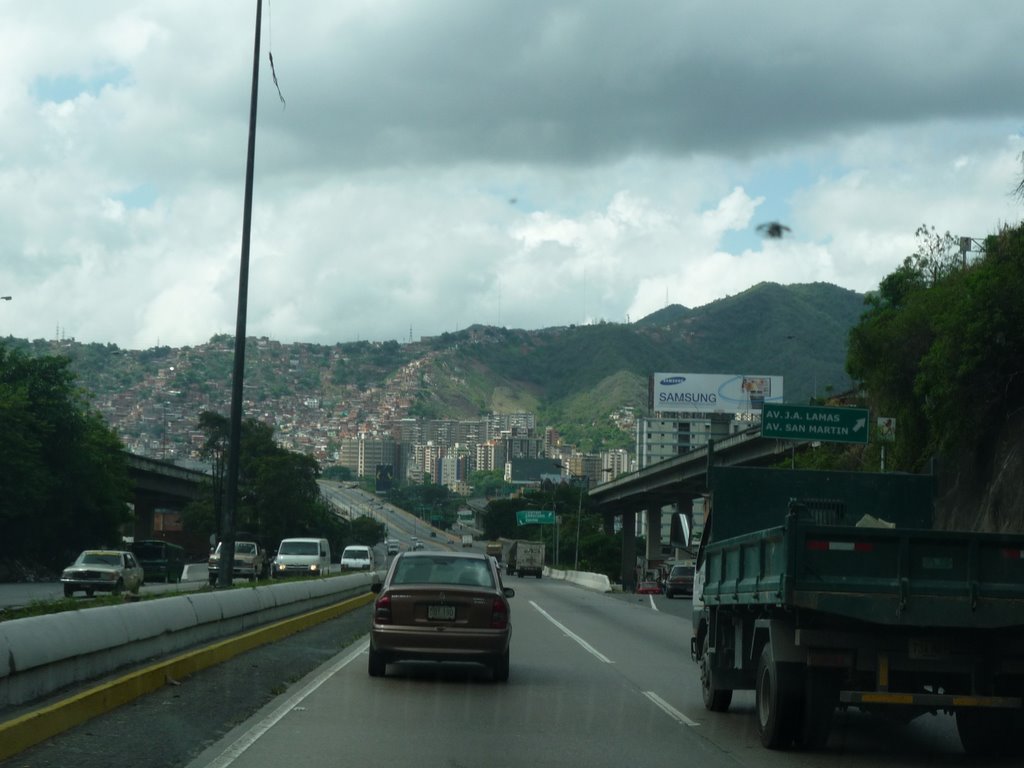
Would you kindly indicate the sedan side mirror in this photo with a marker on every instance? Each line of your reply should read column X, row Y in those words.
column 508, row 592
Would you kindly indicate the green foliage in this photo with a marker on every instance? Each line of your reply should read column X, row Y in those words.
column 487, row 483
column 278, row 495
column 941, row 347
column 63, row 477
column 365, row 530
column 339, row 474
column 499, row 518
column 427, row 501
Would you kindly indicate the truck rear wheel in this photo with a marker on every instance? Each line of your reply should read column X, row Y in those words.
column 715, row 699
column 778, row 700
column 989, row 732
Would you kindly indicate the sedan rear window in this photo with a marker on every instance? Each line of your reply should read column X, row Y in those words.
column 441, row 570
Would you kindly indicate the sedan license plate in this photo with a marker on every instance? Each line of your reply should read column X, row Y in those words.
column 441, row 612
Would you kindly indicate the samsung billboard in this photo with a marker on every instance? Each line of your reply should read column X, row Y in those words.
column 712, row 392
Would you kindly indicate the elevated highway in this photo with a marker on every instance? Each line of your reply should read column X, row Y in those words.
column 676, row 483
column 160, row 484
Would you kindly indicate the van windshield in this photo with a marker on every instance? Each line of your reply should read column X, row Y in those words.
column 299, row 548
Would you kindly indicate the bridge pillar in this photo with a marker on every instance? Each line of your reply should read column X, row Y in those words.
column 654, row 535
column 145, row 509
column 628, row 551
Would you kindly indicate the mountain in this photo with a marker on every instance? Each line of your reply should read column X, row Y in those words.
column 574, row 377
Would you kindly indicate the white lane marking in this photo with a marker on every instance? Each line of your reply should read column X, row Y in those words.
column 250, row 737
column 583, row 643
column 652, row 603
column 668, row 709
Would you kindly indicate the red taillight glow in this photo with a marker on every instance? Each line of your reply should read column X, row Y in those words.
column 819, row 545
column 382, row 610
column 1013, row 554
column 499, row 613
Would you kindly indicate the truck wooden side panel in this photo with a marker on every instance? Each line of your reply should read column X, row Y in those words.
column 884, row 576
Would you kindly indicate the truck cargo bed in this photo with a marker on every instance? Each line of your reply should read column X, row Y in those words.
column 879, row 575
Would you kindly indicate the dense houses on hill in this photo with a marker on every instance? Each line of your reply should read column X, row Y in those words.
column 363, row 428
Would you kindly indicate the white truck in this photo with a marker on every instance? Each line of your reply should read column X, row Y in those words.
column 526, row 558
column 467, row 540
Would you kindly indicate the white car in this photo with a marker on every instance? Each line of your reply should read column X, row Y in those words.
column 102, row 570
column 357, row 557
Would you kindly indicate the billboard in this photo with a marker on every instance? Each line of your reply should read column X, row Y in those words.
column 712, row 392
column 383, row 478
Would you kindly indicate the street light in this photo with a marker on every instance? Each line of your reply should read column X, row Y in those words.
column 579, row 511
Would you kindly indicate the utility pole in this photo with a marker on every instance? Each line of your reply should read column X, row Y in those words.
column 235, row 435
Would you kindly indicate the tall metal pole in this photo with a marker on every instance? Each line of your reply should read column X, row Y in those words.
column 579, row 514
column 227, row 557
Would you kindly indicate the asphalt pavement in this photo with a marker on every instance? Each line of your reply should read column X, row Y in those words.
column 172, row 726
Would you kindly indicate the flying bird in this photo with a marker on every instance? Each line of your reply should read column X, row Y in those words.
column 773, row 229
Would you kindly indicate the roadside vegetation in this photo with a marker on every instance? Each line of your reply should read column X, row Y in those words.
column 940, row 349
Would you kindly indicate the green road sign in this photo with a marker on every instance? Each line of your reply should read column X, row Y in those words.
column 812, row 422
column 535, row 516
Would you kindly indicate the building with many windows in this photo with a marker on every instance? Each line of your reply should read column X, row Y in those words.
column 663, row 436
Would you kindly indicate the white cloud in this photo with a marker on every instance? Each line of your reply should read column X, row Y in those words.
column 440, row 164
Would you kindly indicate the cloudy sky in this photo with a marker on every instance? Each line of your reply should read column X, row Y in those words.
column 440, row 163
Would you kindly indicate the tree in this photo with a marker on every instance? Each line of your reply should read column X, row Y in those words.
column 63, row 475
column 487, row 483
column 278, row 494
column 942, row 351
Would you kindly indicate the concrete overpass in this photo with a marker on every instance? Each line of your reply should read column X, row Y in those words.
column 160, row 484
column 676, row 482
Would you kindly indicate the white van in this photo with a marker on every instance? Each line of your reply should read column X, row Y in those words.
column 302, row 557
column 357, row 557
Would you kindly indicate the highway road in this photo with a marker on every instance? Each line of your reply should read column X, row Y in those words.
column 401, row 525
column 596, row 680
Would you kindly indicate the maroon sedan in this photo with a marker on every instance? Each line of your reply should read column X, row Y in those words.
column 441, row 606
column 680, row 581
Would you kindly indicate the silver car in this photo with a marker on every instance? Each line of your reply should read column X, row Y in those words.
column 102, row 570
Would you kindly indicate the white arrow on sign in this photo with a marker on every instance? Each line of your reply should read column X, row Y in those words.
column 859, row 424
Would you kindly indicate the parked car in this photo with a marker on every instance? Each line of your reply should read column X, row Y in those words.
column 103, row 570
column 679, row 581
column 357, row 558
column 425, row 593
column 250, row 562
column 648, row 588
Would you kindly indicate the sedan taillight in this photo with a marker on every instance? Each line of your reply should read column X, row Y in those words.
column 382, row 610
column 499, row 613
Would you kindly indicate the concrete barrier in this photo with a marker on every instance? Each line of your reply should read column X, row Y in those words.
column 596, row 581
column 43, row 654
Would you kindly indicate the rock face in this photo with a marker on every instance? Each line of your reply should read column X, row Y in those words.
column 983, row 490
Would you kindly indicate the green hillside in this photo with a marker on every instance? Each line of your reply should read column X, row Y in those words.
column 572, row 377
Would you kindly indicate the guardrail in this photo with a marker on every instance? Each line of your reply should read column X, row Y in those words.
column 43, row 654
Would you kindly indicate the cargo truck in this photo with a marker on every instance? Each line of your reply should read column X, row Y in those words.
column 824, row 590
column 526, row 558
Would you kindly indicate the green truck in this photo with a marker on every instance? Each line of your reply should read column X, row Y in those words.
column 824, row 590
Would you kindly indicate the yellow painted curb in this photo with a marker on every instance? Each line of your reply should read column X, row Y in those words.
column 30, row 729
